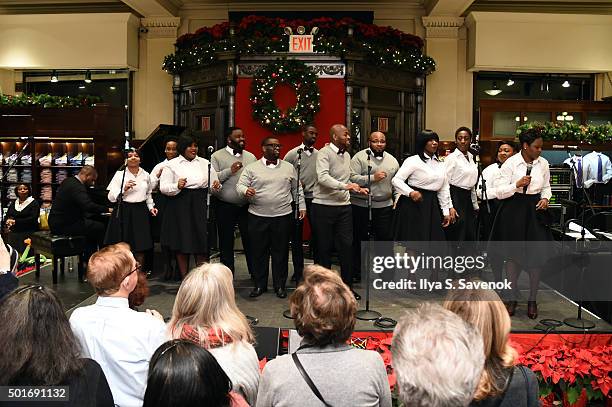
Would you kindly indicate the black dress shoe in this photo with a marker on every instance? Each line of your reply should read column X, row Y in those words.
column 357, row 296
column 281, row 293
column 257, row 292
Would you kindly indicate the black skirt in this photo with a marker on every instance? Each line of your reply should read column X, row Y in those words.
column 134, row 219
column 486, row 216
column 418, row 221
column 518, row 221
column 465, row 226
column 184, row 226
column 161, row 202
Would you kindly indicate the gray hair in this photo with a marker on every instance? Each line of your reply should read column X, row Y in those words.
column 438, row 358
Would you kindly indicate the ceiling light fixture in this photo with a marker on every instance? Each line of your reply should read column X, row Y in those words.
column 566, row 84
column 88, row 77
column 54, row 76
column 494, row 91
column 510, row 81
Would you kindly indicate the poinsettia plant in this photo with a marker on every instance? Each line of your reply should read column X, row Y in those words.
column 574, row 372
column 47, row 101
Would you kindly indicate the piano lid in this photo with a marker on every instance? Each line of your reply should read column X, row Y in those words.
column 152, row 149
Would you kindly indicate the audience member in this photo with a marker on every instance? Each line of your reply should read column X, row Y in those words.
column 183, row 374
column 44, row 351
column 120, row 339
column 324, row 310
column 205, row 313
column 21, row 218
column 502, row 384
column 437, row 357
column 8, row 266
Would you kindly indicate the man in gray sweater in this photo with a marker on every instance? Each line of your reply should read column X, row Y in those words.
column 303, row 156
column 382, row 167
column 331, row 207
column 270, row 185
column 231, row 207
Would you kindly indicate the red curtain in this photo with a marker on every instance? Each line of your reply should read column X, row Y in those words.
column 331, row 112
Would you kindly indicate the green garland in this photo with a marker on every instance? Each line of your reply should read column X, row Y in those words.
column 46, row 100
column 556, row 131
column 304, row 81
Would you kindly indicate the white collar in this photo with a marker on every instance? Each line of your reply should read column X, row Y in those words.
column 113, row 302
column 182, row 159
column 231, row 151
column 334, row 148
column 21, row 206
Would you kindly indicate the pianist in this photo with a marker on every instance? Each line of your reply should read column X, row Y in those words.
column 71, row 206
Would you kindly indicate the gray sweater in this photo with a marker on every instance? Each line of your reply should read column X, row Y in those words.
column 274, row 188
column 333, row 173
column 345, row 376
column 308, row 173
column 381, row 191
column 222, row 161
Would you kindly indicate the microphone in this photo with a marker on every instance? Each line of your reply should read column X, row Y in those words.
column 300, row 150
column 210, row 150
column 369, row 153
column 528, row 173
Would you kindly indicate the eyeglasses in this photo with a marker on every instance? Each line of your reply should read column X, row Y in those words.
column 274, row 145
column 138, row 267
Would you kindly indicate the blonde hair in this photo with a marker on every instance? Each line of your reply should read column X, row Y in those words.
column 323, row 307
column 206, row 301
column 485, row 310
column 108, row 267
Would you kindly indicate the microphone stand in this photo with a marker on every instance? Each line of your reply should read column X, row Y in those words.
column 579, row 322
column 119, row 212
column 210, row 151
column 287, row 312
column 367, row 314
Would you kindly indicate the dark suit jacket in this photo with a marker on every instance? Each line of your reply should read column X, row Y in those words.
column 71, row 204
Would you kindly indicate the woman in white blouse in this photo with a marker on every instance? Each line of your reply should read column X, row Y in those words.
column 523, row 188
column 424, row 206
column 186, row 180
column 462, row 174
column 130, row 222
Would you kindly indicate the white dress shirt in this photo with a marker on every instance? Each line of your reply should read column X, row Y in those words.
column 153, row 176
column 490, row 176
column 308, row 153
column 263, row 161
column 122, row 341
column 462, row 172
column 195, row 171
column 231, row 151
column 576, row 164
column 514, row 169
column 141, row 192
column 591, row 173
column 429, row 175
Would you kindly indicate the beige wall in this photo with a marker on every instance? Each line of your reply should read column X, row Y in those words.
column 7, row 82
column 68, row 41
column 603, row 85
column 448, row 101
column 153, row 103
column 550, row 43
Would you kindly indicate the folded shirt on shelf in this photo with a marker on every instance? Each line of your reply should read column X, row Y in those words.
column 46, row 160
column 63, row 160
column 77, row 159
column 90, row 160
column 46, row 193
column 46, row 176
column 12, row 175
column 61, row 175
column 11, row 158
column 26, row 159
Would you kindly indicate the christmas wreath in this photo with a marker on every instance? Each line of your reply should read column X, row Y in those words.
column 304, row 81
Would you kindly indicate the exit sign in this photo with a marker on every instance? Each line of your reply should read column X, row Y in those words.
column 301, row 43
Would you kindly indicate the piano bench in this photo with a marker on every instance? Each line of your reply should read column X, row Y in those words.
column 59, row 247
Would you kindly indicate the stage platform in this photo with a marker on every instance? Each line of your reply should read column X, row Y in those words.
column 268, row 309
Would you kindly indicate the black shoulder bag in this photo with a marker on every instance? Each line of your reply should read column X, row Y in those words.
column 307, row 379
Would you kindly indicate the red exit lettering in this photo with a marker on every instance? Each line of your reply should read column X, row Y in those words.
column 300, row 43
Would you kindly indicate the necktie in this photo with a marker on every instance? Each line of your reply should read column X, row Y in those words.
column 237, row 152
column 309, row 149
column 378, row 154
column 579, row 177
column 599, row 169
column 268, row 162
column 340, row 152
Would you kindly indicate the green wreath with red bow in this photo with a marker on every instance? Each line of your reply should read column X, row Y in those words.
column 293, row 73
